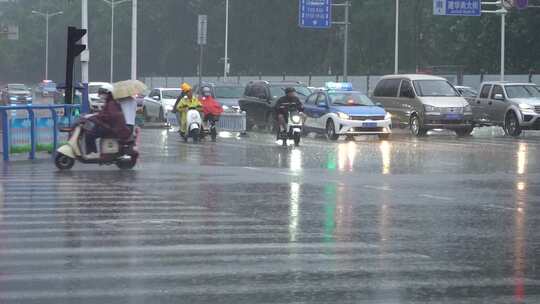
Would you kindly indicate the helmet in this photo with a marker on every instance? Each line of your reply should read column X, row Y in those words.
column 185, row 87
column 206, row 91
column 290, row 90
column 105, row 89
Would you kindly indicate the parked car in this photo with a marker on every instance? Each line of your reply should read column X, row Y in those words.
column 513, row 106
column 343, row 111
column 260, row 98
column 159, row 102
column 16, row 93
column 227, row 94
column 424, row 102
column 47, row 88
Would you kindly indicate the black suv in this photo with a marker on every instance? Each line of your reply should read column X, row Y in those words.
column 260, row 98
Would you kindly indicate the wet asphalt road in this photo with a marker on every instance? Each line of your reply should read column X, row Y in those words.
column 433, row 220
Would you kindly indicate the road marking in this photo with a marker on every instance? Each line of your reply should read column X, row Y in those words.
column 382, row 188
column 436, row 197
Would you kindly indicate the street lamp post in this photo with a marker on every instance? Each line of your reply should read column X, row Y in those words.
column 226, row 59
column 47, row 16
column 396, row 42
column 113, row 4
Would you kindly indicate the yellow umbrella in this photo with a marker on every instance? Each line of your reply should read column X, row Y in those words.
column 128, row 88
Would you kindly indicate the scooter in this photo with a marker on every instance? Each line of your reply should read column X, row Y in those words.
column 210, row 129
column 123, row 154
column 194, row 125
column 293, row 129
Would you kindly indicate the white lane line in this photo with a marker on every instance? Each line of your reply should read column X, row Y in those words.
column 436, row 197
column 159, row 221
column 236, row 258
column 381, row 188
column 123, row 212
column 144, row 238
column 186, row 248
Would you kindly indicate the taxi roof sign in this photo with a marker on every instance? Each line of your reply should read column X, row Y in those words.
column 339, row 86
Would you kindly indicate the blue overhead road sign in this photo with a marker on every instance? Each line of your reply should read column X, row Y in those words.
column 457, row 7
column 315, row 14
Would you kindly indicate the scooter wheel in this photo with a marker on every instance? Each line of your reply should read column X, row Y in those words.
column 64, row 162
column 126, row 165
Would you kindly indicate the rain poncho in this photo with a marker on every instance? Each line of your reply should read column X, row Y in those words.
column 183, row 107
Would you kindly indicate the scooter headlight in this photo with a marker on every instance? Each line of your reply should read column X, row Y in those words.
column 296, row 119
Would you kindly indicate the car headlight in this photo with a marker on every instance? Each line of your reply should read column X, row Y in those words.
column 168, row 108
column 387, row 116
column 429, row 108
column 225, row 108
column 296, row 119
column 342, row 115
column 13, row 98
column 29, row 98
column 525, row 106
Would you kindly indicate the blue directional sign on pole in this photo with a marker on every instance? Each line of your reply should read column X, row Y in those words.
column 457, row 7
column 316, row 14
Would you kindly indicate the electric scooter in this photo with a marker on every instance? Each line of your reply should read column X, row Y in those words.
column 293, row 129
column 122, row 154
column 194, row 125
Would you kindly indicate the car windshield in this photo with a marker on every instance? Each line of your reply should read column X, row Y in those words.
column 20, row 87
column 93, row 89
column 171, row 94
column 228, row 92
column 350, row 99
column 522, row 91
column 467, row 92
column 280, row 91
column 434, row 88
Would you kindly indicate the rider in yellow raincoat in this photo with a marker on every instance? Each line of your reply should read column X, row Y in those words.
column 187, row 102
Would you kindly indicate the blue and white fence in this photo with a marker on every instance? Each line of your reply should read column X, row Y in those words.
column 33, row 125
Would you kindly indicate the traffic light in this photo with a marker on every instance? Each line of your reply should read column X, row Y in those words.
column 74, row 49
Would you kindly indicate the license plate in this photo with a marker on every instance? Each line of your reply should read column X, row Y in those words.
column 454, row 116
column 369, row 125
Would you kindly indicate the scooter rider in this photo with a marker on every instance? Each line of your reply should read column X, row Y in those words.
column 187, row 102
column 108, row 122
column 211, row 108
column 284, row 104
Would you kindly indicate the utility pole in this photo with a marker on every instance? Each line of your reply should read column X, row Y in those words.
column 113, row 4
column 134, row 40
column 346, row 23
column 396, row 42
column 226, row 58
column 500, row 11
column 47, row 16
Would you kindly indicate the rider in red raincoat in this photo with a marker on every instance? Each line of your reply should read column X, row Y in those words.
column 211, row 108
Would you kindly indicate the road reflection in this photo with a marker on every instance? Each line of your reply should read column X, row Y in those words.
column 522, row 159
column 386, row 149
column 294, row 208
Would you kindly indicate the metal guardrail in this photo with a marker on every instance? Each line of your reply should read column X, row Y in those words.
column 30, row 110
column 232, row 122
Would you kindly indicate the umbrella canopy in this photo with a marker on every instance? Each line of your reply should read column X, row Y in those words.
column 128, row 88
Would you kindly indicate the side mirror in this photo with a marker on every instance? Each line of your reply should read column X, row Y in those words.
column 498, row 97
column 321, row 104
column 155, row 97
